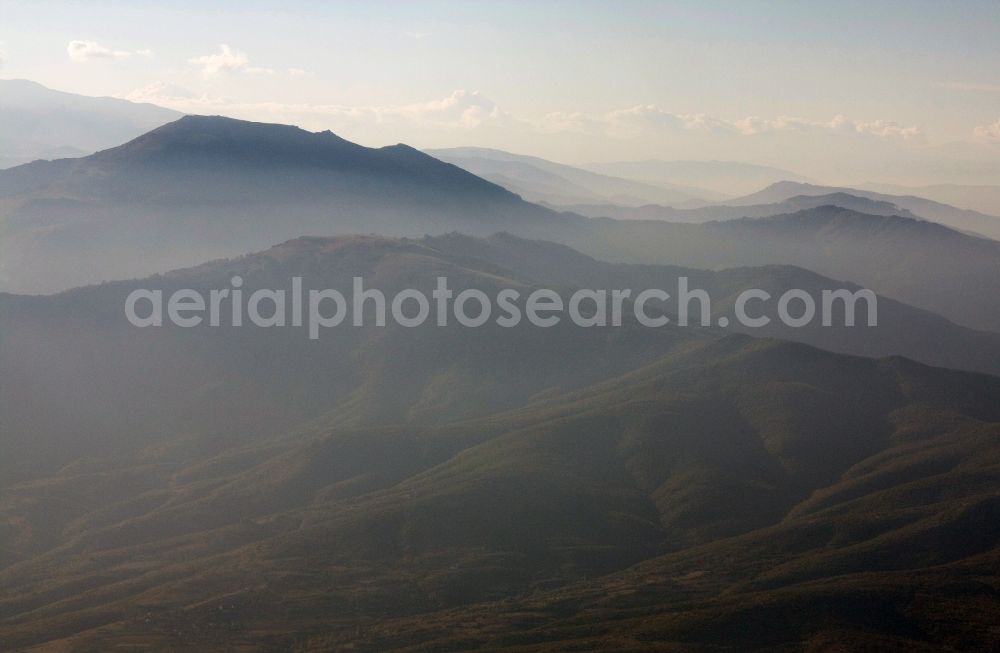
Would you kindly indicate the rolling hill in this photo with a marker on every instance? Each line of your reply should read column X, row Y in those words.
column 55, row 348
column 64, row 343
column 430, row 489
column 902, row 329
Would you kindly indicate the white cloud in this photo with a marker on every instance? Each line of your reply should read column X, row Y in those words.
column 989, row 132
column 462, row 110
column 230, row 60
column 839, row 123
column 227, row 60
column 752, row 125
column 84, row 51
column 640, row 119
column 296, row 72
column 648, row 119
column 887, row 129
column 161, row 93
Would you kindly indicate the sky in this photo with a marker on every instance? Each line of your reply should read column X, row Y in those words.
column 845, row 91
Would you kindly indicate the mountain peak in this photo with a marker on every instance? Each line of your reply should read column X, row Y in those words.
column 196, row 142
column 203, row 139
column 788, row 185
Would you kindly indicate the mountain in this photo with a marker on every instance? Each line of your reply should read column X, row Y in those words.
column 961, row 219
column 902, row 330
column 538, row 180
column 39, row 123
column 727, row 177
column 207, row 187
column 982, row 198
column 726, row 212
column 55, row 348
column 897, row 552
column 917, row 262
column 204, row 187
column 393, row 488
column 207, row 376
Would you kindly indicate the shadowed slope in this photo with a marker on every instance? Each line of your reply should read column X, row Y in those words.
column 760, row 482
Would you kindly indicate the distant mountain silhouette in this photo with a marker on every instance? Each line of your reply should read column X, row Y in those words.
column 922, row 263
column 982, row 198
column 961, row 219
column 40, row 123
column 726, row 212
column 727, row 177
column 538, row 180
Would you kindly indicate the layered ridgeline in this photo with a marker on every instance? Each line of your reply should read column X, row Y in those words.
column 539, row 180
column 982, row 198
column 901, row 329
column 461, row 488
column 956, row 218
column 74, row 364
column 918, row 262
column 729, row 177
column 725, row 212
column 202, row 188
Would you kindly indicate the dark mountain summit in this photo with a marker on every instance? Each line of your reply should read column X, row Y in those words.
column 223, row 146
column 195, row 141
column 204, row 187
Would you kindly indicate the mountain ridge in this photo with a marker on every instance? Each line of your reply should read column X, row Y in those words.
column 726, row 212
column 729, row 177
column 961, row 219
column 203, row 187
column 538, row 179
column 113, row 216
